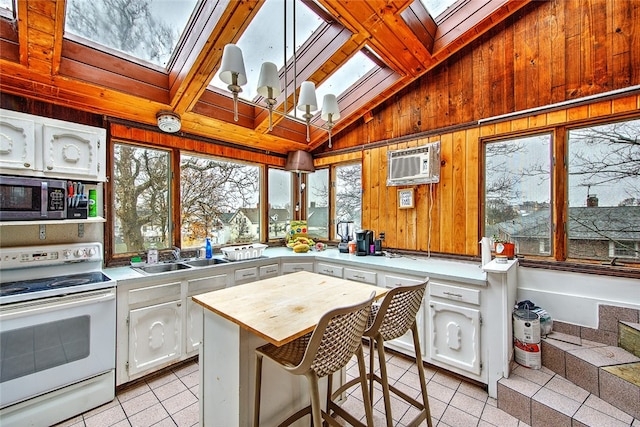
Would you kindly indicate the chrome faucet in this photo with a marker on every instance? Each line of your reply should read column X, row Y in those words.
column 176, row 253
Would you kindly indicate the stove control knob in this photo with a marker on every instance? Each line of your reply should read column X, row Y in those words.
column 91, row 252
column 66, row 254
column 79, row 253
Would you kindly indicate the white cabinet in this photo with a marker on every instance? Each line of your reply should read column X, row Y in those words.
column 17, row 148
column 193, row 314
column 158, row 324
column 454, row 336
column 270, row 270
column 39, row 146
column 245, row 275
column 154, row 336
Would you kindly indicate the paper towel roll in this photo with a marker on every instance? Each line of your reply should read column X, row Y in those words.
column 485, row 250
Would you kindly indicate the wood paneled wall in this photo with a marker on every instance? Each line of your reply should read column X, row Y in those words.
column 547, row 53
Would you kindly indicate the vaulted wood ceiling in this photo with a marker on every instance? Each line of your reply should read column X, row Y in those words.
column 39, row 61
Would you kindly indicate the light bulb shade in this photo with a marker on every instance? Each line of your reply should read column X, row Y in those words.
column 168, row 121
column 299, row 161
column 307, row 97
column 269, row 80
column 232, row 63
column 330, row 106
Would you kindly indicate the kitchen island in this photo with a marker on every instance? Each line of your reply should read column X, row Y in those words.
column 239, row 319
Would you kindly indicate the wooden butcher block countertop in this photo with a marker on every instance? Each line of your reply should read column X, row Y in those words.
column 281, row 309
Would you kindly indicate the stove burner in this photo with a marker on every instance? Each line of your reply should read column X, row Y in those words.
column 11, row 291
column 69, row 282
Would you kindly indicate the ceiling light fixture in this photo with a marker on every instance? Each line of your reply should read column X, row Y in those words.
column 232, row 73
column 168, row 121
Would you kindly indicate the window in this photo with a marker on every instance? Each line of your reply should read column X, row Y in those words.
column 604, row 191
column 141, row 192
column 6, row 7
column 348, row 195
column 280, row 197
column 219, row 200
column 318, row 204
column 148, row 30
column 517, row 193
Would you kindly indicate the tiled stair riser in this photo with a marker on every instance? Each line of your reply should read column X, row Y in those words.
column 584, row 357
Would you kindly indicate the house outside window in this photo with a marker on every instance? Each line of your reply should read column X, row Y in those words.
column 517, row 193
column 219, row 200
column 604, row 191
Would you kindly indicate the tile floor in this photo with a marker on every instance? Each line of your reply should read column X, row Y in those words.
column 171, row 399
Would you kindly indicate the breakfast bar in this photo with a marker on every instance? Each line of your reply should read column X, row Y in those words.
column 237, row 320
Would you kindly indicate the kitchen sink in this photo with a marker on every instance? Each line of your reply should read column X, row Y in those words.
column 206, row 262
column 162, row 268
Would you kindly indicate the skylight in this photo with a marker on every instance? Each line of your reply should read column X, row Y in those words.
column 148, row 31
column 436, row 7
column 6, row 5
column 349, row 73
column 263, row 40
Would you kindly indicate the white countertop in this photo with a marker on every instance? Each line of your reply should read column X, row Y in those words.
column 401, row 264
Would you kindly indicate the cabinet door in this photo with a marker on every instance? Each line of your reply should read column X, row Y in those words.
column 193, row 334
column 270, row 270
column 17, row 144
column 155, row 334
column 245, row 275
column 75, row 152
column 454, row 336
column 360, row 275
column 404, row 344
column 328, row 269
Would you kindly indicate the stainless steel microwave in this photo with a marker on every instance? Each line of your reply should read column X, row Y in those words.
column 24, row 198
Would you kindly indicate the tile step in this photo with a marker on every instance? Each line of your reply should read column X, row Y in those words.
column 629, row 337
column 581, row 383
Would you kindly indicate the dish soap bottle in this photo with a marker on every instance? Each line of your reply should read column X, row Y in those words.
column 152, row 255
column 208, row 249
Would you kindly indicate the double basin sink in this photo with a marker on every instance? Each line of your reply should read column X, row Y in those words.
column 179, row 265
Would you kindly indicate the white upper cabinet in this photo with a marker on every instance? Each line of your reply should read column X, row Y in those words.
column 17, row 150
column 38, row 146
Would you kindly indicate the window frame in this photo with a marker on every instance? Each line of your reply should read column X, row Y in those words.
column 559, row 192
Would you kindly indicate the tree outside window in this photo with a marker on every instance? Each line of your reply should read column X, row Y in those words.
column 280, row 197
column 348, row 195
column 141, row 190
column 604, row 191
column 219, row 200
column 318, row 204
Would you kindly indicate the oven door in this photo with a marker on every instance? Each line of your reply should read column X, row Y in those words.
column 53, row 342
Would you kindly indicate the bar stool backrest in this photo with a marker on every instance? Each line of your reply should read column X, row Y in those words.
column 335, row 339
column 397, row 312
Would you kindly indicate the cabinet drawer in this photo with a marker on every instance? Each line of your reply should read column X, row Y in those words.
column 455, row 293
column 165, row 291
column 269, row 270
column 391, row 282
column 329, row 270
column 246, row 274
column 360, row 276
column 292, row 267
column 206, row 284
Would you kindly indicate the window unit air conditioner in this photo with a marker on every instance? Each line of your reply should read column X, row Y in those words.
column 420, row 165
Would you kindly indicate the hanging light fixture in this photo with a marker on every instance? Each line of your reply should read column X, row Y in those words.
column 269, row 87
column 330, row 112
column 232, row 73
column 299, row 161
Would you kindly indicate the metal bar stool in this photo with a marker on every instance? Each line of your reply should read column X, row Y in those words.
column 389, row 320
column 336, row 338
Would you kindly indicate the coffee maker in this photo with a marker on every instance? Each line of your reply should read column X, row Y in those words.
column 364, row 242
column 345, row 231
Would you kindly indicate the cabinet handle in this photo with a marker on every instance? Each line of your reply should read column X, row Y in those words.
column 248, row 275
column 297, row 268
column 179, row 304
column 49, row 167
column 27, row 165
column 359, row 277
column 451, row 294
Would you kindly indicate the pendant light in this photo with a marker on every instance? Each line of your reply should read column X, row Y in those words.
column 269, row 87
column 299, row 161
column 233, row 74
column 330, row 112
